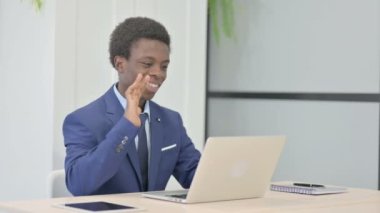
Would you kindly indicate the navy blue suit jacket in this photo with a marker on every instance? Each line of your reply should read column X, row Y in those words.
column 101, row 156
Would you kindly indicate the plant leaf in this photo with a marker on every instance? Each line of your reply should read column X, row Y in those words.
column 38, row 4
column 213, row 12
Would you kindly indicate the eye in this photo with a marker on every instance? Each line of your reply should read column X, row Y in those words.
column 164, row 67
column 146, row 64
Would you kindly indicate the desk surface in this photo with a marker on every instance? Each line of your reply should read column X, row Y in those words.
column 355, row 200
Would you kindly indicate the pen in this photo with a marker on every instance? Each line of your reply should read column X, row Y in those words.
column 308, row 185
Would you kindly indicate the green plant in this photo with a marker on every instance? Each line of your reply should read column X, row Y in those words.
column 37, row 4
column 225, row 8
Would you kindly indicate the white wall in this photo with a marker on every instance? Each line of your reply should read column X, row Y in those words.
column 56, row 61
column 300, row 46
column 26, row 91
column 320, row 46
column 82, row 69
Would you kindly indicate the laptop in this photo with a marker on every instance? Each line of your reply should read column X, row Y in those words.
column 230, row 168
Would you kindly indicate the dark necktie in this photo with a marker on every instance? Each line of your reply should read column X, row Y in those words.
column 143, row 152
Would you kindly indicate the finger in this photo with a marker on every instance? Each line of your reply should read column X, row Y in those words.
column 141, row 84
column 138, row 80
column 136, row 85
column 141, row 81
column 146, row 78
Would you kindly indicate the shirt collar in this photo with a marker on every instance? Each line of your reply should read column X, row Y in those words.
column 124, row 103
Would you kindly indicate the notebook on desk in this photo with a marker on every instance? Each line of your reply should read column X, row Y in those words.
column 308, row 189
column 230, row 168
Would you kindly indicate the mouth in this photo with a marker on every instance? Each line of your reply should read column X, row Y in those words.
column 152, row 87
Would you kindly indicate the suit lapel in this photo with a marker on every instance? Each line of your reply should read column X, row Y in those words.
column 114, row 111
column 156, row 140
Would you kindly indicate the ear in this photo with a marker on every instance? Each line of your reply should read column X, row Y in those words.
column 120, row 63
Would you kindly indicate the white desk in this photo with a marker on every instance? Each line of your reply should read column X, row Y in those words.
column 356, row 200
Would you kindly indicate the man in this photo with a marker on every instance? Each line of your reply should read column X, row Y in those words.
column 109, row 148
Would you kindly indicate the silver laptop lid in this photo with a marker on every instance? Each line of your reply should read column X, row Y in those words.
column 235, row 168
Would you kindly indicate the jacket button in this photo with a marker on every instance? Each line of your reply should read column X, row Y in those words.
column 125, row 140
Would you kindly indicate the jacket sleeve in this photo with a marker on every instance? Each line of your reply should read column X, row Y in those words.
column 89, row 163
column 187, row 160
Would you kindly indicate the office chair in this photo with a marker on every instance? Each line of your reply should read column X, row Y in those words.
column 56, row 184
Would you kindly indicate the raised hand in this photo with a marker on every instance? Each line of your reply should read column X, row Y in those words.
column 134, row 98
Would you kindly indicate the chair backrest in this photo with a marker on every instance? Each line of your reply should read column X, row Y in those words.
column 56, row 184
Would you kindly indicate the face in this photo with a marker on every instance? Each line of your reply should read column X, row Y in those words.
column 149, row 57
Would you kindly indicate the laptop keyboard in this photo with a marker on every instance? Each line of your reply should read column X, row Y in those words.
column 183, row 196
